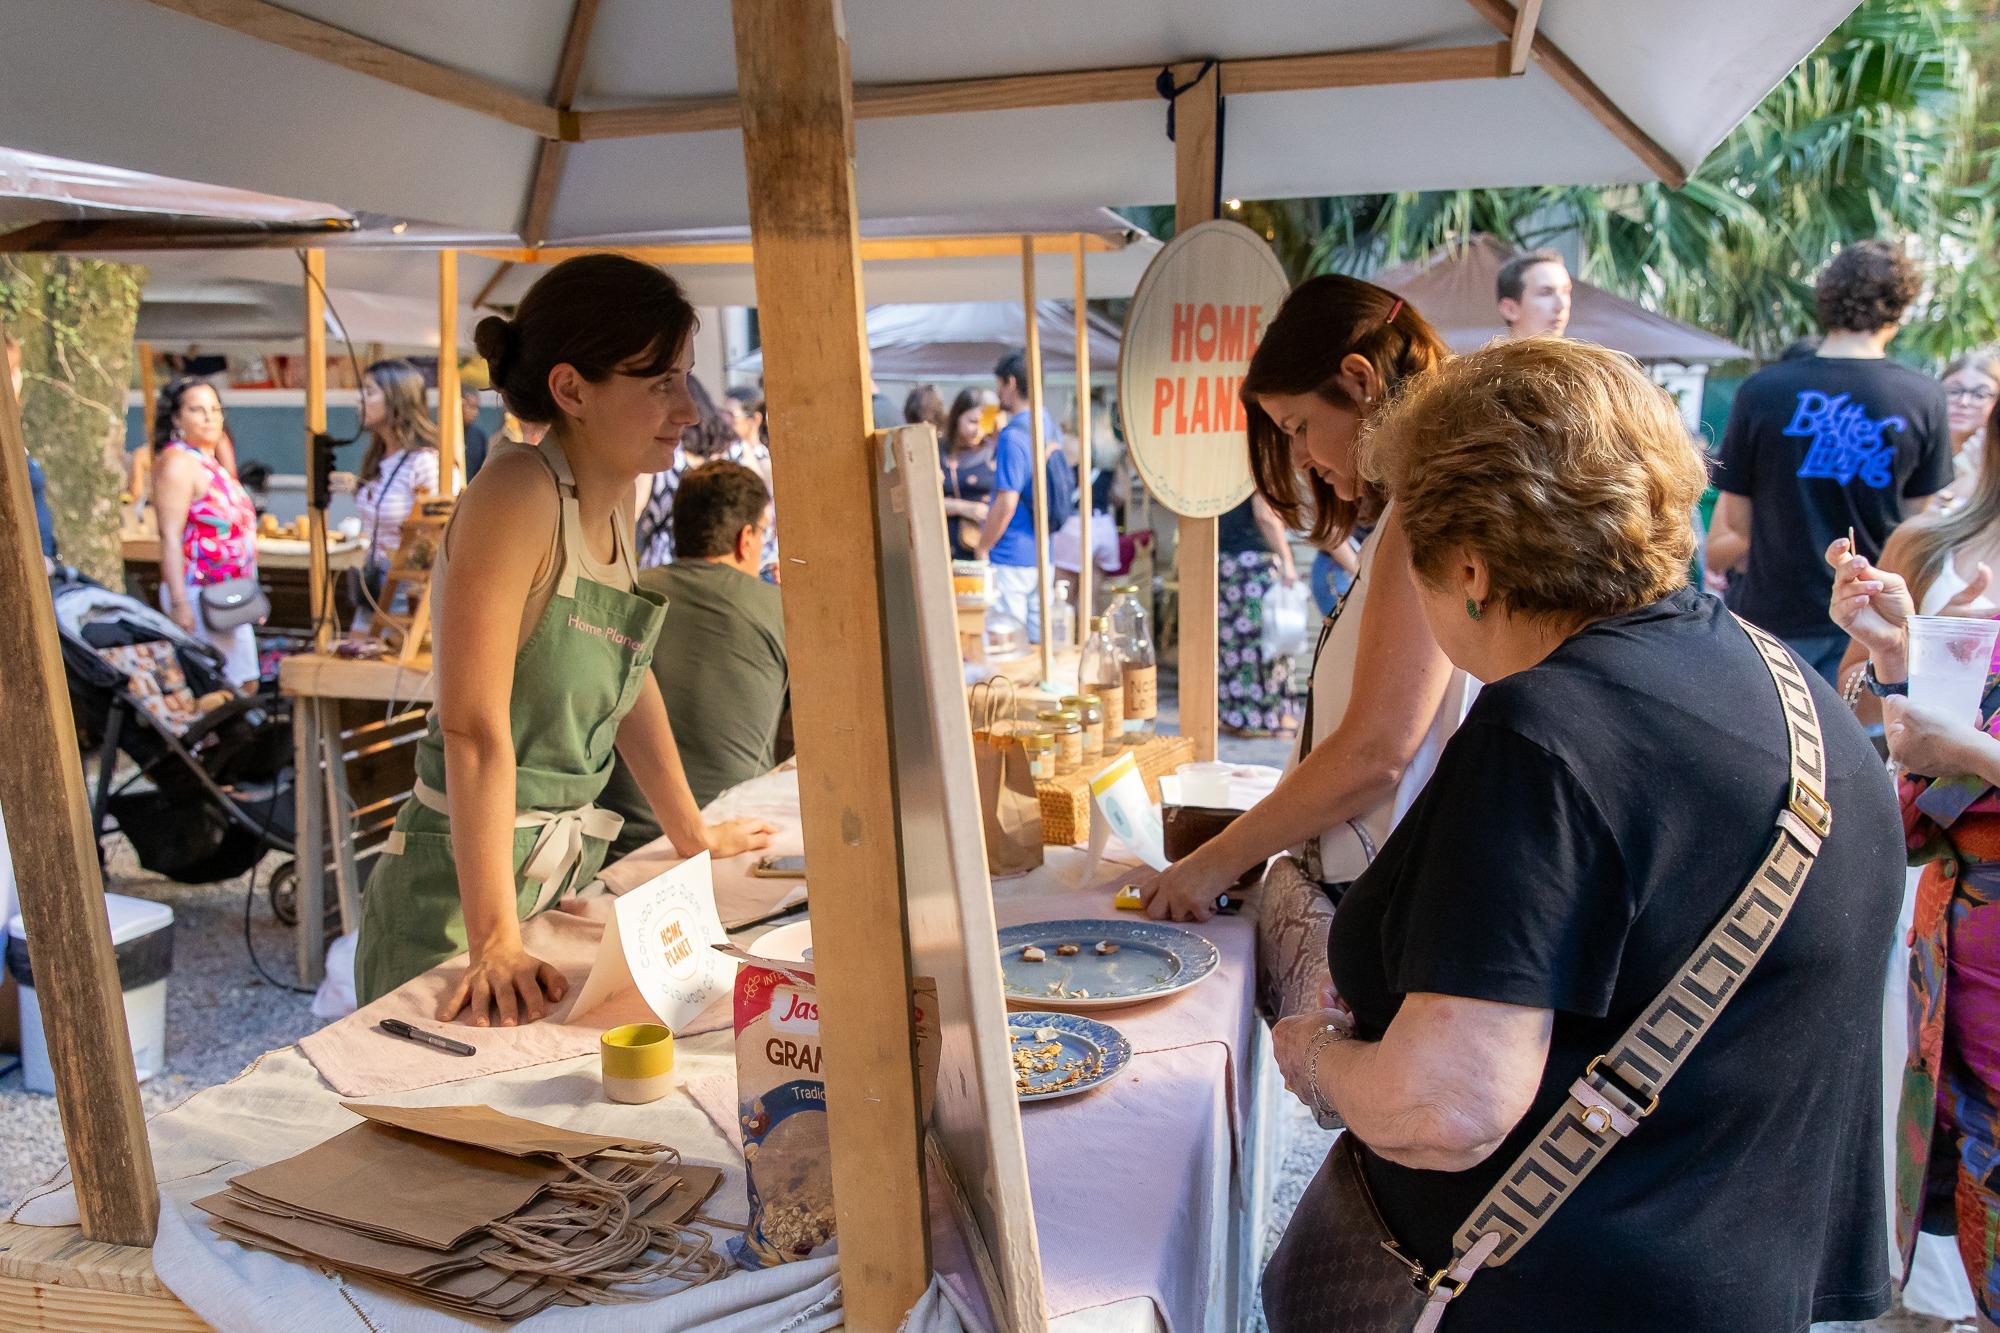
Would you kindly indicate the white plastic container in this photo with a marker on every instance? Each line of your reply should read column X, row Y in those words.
column 142, row 937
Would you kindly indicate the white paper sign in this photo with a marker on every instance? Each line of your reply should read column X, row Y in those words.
column 1120, row 804
column 659, row 941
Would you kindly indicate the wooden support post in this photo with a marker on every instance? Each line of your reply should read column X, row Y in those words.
column 1086, row 574
column 60, row 886
column 319, row 581
column 1195, row 189
column 798, row 114
column 1038, row 431
column 451, row 416
column 148, row 387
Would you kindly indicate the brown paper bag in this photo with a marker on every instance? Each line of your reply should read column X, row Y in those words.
column 1008, row 805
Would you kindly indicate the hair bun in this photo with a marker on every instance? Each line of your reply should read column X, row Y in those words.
column 494, row 337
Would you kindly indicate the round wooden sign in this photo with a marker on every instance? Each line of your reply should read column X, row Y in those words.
column 1200, row 311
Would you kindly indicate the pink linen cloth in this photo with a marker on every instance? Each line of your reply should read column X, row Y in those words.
column 1122, row 1176
column 360, row 1061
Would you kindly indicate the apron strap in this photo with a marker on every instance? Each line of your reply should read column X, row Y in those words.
column 557, row 850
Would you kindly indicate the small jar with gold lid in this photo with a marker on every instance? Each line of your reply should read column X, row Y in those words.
column 1067, row 728
column 1042, row 750
column 1089, row 710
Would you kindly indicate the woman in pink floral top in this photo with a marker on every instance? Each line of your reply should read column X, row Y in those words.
column 208, row 526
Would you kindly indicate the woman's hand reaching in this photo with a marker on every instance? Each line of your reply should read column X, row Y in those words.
column 733, row 837
column 504, row 986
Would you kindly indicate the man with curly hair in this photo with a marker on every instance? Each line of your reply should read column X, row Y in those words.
column 1842, row 439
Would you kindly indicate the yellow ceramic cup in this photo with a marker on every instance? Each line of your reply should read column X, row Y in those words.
column 638, row 1062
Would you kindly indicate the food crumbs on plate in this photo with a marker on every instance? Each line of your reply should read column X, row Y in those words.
column 1106, row 948
column 1039, row 1066
column 1033, row 954
column 1065, row 950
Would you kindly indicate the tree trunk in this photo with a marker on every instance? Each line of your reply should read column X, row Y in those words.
column 74, row 318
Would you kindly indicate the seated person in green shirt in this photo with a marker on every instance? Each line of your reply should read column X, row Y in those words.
column 720, row 659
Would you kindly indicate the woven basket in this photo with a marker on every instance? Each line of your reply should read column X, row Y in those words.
column 1066, row 800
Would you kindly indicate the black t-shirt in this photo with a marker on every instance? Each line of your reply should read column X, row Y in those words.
column 967, row 476
column 1820, row 445
column 1236, row 531
column 1587, row 825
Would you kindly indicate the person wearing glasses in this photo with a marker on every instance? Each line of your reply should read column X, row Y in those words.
column 1971, row 387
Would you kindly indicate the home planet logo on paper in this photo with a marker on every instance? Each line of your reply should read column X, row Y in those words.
column 1196, row 320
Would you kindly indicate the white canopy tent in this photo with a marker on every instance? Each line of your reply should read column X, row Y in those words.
column 37, row 188
column 601, row 117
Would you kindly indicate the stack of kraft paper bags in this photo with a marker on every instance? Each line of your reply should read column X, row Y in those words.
column 481, row 1213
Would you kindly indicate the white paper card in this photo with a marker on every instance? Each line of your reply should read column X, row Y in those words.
column 659, row 942
column 1120, row 804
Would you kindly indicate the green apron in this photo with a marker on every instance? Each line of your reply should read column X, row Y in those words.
column 574, row 680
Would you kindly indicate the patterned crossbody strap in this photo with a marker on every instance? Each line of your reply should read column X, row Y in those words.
column 1622, row 1087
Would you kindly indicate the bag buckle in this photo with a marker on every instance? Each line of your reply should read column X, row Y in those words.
column 1810, row 806
column 1417, row 1274
column 1604, row 1083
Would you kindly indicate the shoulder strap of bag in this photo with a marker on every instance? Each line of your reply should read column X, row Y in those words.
column 1622, row 1087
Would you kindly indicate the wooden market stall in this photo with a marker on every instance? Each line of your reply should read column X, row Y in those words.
column 1093, row 131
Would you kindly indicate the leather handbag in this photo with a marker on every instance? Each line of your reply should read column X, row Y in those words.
column 233, row 602
column 1338, row 1268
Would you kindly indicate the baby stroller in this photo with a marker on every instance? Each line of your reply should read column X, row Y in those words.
column 213, row 790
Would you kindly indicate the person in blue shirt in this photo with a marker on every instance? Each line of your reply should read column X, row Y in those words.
column 38, row 482
column 1008, row 537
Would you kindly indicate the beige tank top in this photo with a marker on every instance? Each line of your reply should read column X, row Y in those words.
column 1346, row 849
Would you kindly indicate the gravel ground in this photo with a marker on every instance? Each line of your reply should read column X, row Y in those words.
column 220, row 1014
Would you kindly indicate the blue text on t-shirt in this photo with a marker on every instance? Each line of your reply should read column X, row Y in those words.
column 1846, row 442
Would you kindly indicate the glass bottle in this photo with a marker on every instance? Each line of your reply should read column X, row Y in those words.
column 1062, row 616
column 1099, row 672
column 1133, row 640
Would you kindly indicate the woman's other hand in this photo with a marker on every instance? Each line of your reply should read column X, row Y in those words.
column 1871, row 604
column 1972, row 601
column 505, row 983
column 182, row 612
column 1292, row 1040
column 733, row 837
column 1928, row 744
column 1185, row 890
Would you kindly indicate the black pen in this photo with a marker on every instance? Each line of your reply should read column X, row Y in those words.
column 396, row 1027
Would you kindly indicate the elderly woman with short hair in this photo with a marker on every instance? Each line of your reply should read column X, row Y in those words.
column 1598, row 844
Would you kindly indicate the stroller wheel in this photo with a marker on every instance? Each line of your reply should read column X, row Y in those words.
column 284, row 892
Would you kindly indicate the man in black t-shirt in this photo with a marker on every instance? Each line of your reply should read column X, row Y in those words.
column 1842, row 439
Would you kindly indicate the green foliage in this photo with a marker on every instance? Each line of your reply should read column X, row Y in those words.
column 74, row 319
column 1888, row 128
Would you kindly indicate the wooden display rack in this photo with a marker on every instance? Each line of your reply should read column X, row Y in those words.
column 416, row 555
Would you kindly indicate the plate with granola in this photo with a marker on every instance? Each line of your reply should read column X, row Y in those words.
column 1092, row 963
column 1059, row 1055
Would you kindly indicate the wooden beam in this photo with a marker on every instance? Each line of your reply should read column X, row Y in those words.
column 1038, row 433
column 1015, row 92
column 550, row 159
column 1569, row 76
column 318, row 578
column 792, row 67
column 60, row 886
column 100, row 234
column 1196, row 185
column 1522, row 44
column 1362, row 69
column 492, row 284
column 451, row 420
column 363, row 55
column 1086, row 574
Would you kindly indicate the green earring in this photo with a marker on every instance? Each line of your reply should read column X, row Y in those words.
column 1472, row 609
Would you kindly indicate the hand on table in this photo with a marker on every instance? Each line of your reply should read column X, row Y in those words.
column 506, row 981
column 734, row 836
column 1186, row 890
column 1928, row 744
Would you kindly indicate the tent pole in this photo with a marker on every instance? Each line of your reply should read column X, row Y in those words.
column 798, row 135
column 1039, row 432
column 1087, row 571
column 318, row 592
column 451, row 416
column 148, row 386
column 1196, row 184
column 61, row 887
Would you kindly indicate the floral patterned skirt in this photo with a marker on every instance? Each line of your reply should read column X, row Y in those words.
column 1254, row 694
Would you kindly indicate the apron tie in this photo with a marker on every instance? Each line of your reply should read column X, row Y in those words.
column 559, row 846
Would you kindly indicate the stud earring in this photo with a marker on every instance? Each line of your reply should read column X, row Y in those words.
column 1473, row 609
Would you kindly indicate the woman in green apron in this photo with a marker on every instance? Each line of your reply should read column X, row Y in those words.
column 542, row 641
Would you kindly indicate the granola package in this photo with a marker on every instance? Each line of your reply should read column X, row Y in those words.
column 781, row 1108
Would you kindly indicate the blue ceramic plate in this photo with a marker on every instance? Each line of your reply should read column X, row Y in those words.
column 1059, row 1055
column 1152, row 959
